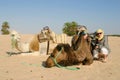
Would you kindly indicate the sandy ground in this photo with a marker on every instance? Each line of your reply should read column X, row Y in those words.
column 29, row 67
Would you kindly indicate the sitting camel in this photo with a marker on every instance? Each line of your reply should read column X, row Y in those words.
column 64, row 54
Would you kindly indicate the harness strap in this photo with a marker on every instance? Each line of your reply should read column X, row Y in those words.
column 69, row 68
column 13, row 42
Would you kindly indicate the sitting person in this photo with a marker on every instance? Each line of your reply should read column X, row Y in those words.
column 80, row 30
column 100, row 47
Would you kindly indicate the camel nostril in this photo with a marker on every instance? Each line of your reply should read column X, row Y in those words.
column 49, row 63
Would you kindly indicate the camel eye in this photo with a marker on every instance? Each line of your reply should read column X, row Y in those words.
column 52, row 55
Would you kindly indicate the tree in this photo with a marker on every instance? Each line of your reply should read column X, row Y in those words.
column 5, row 28
column 70, row 28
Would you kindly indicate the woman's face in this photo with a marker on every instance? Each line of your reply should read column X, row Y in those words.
column 99, row 34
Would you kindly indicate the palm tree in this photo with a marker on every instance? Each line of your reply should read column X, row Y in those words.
column 5, row 27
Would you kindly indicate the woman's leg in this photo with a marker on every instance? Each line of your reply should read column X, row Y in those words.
column 104, row 53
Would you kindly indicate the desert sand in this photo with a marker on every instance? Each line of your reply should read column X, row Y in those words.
column 30, row 67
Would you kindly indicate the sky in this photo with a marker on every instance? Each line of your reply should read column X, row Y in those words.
column 30, row 16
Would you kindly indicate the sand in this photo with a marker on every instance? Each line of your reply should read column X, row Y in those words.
column 30, row 67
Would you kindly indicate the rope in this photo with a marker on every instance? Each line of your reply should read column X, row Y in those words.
column 69, row 68
column 13, row 44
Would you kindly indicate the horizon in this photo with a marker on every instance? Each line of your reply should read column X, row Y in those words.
column 29, row 17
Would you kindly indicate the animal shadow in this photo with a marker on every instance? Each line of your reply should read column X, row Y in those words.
column 15, row 53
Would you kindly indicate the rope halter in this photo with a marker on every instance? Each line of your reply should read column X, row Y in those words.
column 55, row 62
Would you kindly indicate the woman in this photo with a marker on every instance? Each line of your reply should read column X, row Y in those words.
column 100, row 46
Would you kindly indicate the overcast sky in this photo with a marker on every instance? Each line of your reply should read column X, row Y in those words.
column 30, row 16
